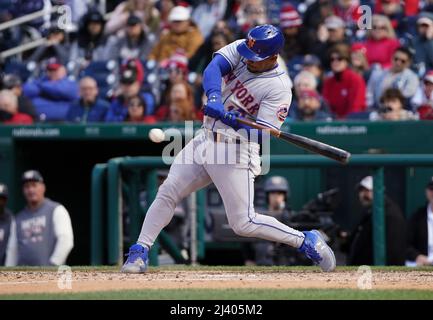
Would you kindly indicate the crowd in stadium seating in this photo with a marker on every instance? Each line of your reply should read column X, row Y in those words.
column 144, row 62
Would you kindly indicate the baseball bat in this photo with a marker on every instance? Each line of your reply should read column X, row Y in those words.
column 315, row 146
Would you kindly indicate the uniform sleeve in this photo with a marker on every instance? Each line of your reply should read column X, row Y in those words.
column 274, row 108
column 12, row 247
column 231, row 54
column 64, row 236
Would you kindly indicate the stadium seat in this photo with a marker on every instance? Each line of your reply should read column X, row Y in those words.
column 105, row 74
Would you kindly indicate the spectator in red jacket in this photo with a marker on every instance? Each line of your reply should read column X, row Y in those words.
column 9, row 109
column 381, row 42
column 137, row 111
column 345, row 89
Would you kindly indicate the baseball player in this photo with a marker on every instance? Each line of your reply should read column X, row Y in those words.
column 242, row 78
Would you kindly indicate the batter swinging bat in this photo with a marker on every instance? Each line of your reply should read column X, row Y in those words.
column 326, row 150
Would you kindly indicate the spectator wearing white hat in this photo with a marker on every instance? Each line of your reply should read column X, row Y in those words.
column 360, row 240
column 183, row 35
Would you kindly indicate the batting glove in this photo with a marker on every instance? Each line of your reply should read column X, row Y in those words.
column 231, row 119
column 214, row 108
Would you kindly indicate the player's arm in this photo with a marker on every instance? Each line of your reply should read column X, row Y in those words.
column 217, row 68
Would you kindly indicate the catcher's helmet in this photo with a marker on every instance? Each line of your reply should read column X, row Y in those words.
column 277, row 184
column 261, row 43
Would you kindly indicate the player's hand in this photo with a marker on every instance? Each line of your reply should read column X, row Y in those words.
column 214, row 107
column 231, row 119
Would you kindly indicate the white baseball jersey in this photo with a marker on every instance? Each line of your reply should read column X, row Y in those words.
column 266, row 96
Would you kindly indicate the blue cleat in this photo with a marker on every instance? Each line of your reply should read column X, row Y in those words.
column 137, row 260
column 316, row 249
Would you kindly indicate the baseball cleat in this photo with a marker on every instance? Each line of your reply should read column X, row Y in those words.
column 137, row 260
column 316, row 249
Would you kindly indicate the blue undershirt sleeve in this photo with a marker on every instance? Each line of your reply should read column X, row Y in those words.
column 212, row 75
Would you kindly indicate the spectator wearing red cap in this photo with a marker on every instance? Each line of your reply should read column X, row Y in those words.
column 422, row 101
column 182, row 35
column 298, row 40
column 381, row 42
column 9, row 113
column 345, row 89
column 52, row 94
column 309, row 107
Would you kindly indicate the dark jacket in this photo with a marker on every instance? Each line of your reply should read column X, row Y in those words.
column 79, row 113
column 423, row 52
column 87, row 46
column 361, row 242
column 417, row 234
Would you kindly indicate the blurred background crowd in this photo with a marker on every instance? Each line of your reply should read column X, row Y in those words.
column 141, row 61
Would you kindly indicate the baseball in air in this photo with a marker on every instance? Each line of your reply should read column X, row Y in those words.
column 156, row 135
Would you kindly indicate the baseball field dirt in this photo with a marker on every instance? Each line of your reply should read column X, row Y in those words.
column 183, row 282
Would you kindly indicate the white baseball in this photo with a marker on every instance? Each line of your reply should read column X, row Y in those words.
column 156, row 135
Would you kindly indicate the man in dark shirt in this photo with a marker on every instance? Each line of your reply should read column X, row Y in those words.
column 420, row 232
column 361, row 239
column 88, row 108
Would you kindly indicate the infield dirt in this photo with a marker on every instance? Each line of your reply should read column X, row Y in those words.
column 13, row 282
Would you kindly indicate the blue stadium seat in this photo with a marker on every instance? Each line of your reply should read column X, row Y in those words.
column 105, row 73
column 18, row 68
column 6, row 5
column 294, row 65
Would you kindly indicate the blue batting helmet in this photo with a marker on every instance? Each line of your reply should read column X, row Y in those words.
column 261, row 43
